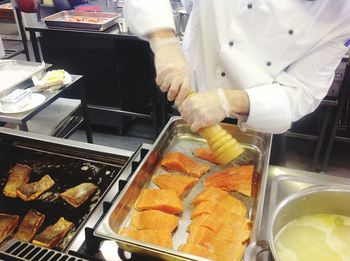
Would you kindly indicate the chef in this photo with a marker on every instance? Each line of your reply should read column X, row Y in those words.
column 267, row 62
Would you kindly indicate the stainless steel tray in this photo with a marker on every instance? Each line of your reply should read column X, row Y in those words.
column 58, row 20
column 13, row 72
column 177, row 136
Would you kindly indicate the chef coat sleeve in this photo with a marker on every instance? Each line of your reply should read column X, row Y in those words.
column 297, row 91
column 145, row 16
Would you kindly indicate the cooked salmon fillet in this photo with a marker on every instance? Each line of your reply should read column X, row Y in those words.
column 30, row 225
column 197, row 250
column 18, row 176
column 180, row 162
column 237, row 178
column 165, row 200
column 32, row 191
column 154, row 219
column 181, row 184
column 226, row 204
column 209, row 194
column 53, row 234
column 8, row 223
column 79, row 194
column 205, row 154
column 157, row 237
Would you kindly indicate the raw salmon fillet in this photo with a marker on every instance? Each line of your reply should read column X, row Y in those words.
column 157, row 237
column 201, row 236
column 18, row 176
column 154, row 219
column 233, row 179
column 226, row 204
column 180, row 162
column 181, row 184
column 165, row 200
column 205, row 154
column 197, row 250
column 209, row 194
column 30, row 225
column 228, row 251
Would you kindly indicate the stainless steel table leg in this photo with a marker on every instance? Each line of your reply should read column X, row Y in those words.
column 85, row 112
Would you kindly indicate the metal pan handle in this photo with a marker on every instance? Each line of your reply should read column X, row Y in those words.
column 255, row 248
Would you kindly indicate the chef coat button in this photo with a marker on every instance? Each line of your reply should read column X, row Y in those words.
column 268, row 63
column 291, row 32
column 223, row 74
column 231, row 43
column 250, row 6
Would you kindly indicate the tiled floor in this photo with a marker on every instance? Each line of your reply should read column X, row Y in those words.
column 299, row 153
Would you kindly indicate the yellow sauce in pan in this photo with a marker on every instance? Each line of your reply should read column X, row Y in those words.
column 320, row 237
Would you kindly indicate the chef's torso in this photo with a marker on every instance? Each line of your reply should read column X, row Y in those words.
column 245, row 43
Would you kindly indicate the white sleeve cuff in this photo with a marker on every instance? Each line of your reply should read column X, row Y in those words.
column 269, row 109
column 144, row 16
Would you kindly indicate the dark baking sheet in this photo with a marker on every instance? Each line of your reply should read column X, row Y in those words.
column 67, row 172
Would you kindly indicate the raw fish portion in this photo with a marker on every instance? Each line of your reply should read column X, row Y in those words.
column 8, row 223
column 209, row 194
column 32, row 191
column 228, row 251
column 226, row 204
column 201, row 236
column 181, row 184
column 205, row 154
column 157, row 237
column 18, row 176
column 197, row 250
column 53, row 234
column 180, row 162
column 155, row 220
column 79, row 194
column 165, row 200
column 30, row 225
column 237, row 178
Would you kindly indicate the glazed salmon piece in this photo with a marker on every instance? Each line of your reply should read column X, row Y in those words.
column 226, row 204
column 165, row 200
column 181, row 184
column 205, row 154
column 237, row 178
column 157, row 237
column 209, row 194
column 180, row 162
column 197, row 250
column 228, row 251
column 201, row 236
column 154, row 219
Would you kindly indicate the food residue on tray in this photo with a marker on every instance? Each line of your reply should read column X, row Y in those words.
column 79, row 19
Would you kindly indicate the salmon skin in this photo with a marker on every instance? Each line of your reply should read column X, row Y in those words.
column 54, row 234
column 165, row 200
column 32, row 191
column 205, row 154
column 18, row 176
column 181, row 184
column 154, row 220
column 8, row 223
column 30, row 225
column 79, row 194
column 180, row 162
column 157, row 237
column 237, row 178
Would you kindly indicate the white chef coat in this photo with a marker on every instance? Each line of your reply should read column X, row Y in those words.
column 282, row 52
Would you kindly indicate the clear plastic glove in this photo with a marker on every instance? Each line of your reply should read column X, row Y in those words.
column 205, row 109
column 173, row 72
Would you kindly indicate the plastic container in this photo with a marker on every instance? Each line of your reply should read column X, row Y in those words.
column 16, row 100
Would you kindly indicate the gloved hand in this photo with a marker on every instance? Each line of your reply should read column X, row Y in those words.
column 205, row 109
column 173, row 72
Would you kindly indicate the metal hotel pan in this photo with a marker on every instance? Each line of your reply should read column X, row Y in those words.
column 58, row 20
column 177, row 136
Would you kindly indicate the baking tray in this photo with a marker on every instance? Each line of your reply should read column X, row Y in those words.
column 177, row 136
column 67, row 168
column 13, row 72
column 58, row 20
